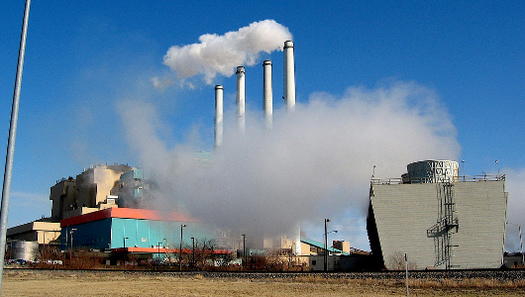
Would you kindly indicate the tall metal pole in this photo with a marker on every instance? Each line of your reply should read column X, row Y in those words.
column 193, row 253
column 244, row 250
column 521, row 243
column 406, row 274
column 180, row 246
column 71, row 243
column 326, row 245
column 6, row 190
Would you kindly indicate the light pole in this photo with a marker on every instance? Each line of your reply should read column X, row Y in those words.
column 71, row 237
column 180, row 246
column 244, row 250
column 325, row 245
column 193, row 252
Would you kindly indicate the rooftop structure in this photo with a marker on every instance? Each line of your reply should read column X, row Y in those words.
column 87, row 192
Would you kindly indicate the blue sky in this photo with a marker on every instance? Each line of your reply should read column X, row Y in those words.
column 83, row 60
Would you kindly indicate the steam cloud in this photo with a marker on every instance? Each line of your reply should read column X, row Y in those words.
column 315, row 163
column 222, row 53
column 516, row 207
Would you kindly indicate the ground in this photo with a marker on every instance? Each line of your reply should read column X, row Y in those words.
column 115, row 284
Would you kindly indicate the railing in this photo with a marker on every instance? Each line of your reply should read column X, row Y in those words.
column 484, row 177
column 461, row 178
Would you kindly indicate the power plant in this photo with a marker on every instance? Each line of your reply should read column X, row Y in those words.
column 106, row 207
column 431, row 215
column 240, row 94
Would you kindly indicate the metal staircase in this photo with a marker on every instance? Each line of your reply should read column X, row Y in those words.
column 447, row 224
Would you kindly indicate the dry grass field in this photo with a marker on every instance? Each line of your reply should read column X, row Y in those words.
column 115, row 284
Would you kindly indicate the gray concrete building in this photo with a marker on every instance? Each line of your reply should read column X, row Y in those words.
column 440, row 220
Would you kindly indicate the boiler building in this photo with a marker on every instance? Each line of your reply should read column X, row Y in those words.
column 135, row 230
column 439, row 219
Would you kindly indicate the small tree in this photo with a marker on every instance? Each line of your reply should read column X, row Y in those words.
column 396, row 261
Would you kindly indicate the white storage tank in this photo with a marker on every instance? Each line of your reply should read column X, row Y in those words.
column 24, row 250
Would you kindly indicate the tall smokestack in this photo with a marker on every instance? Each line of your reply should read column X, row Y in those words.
column 289, row 75
column 241, row 98
column 219, row 90
column 267, row 93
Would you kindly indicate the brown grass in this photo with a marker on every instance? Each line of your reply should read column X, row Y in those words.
column 79, row 283
column 446, row 283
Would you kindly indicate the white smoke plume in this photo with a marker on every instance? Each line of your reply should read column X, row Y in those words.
column 315, row 163
column 222, row 53
column 516, row 208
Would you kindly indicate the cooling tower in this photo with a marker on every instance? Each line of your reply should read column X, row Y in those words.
column 436, row 220
column 289, row 75
column 219, row 90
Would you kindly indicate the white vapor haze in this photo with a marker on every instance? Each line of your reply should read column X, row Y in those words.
column 515, row 185
column 315, row 163
column 222, row 53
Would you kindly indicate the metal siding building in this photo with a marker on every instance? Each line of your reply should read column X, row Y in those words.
column 115, row 228
column 413, row 219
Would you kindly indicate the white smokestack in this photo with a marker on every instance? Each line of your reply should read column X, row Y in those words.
column 241, row 98
column 267, row 93
column 289, row 75
column 219, row 90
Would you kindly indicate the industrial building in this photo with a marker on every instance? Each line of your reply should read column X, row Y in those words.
column 439, row 219
column 43, row 231
column 135, row 230
column 96, row 188
column 107, row 206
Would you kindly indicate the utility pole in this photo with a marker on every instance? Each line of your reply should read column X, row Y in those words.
column 326, row 245
column 180, row 246
column 193, row 253
column 244, row 250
